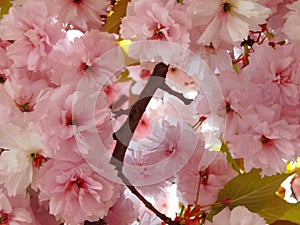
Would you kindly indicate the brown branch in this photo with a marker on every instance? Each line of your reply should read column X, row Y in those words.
column 124, row 135
column 99, row 222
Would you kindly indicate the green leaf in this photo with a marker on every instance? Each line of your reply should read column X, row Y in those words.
column 236, row 68
column 293, row 214
column 232, row 161
column 113, row 21
column 5, row 6
column 283, row 222
column 275, row 209
column 250, row 190
column 124, row 76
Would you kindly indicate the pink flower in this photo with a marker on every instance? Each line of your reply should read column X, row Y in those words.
column 122, row 212
column 296, row 187
column 33, row 32
column 157, row 158
column 116, row 94
column 75, row 191
column 218, row 60
column 156, row 20
column 26, row 88
column 81, row 14
column 228, row 21
column 209, row 169
column 239, row 215
column 15, row 210
column 95, row 55
column 75, row 122
column 291, row 28
column 278, row 76
column 143, row 129
column 265, row 141
column 140, row 75
column 8, row 110
column 41, row 210
column 5, row 63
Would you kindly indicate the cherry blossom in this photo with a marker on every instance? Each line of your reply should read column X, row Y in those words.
column 75, row 191
column 40, row 210
column 168, row 149
column 33, row 35
column 270, row 141
column 81, row 14
column 296, row 187
column 9, row 112
column 76, row 124
column 157, row 20
column 278, row 78
column 290, row 28
column 22, row 156
column 73, row 74
column 15, row 210
column 239, row 215
column 210, row 177
column 228, row 21
column 122, row 212
column 94, row 55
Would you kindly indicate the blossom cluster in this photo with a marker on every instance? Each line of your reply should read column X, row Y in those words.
column 64, row 75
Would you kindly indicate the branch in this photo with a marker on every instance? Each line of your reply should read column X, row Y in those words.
column 99, row 222
column 124, row 135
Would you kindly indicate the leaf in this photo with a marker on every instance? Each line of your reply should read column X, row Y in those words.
column 124, row 76
column 232, row 161
column 275, row 209
column 113, row 21
column 250, row 190
column 5, row 6
column 293, row 214
column 283, row 222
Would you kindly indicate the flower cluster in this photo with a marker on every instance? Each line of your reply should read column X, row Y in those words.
column 228, row 105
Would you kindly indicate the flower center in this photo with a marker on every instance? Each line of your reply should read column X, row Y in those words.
column 84, row 67
column 228, row 107
column 37, row 159
column 158, row 34
column 3, row 218
column 267, row 142
column 170, row 151
column 76, row 1
column 77, row 181
column 27, row 106
column 227, row 7
column 204, row 176
column 70, row 120
column 2, row 78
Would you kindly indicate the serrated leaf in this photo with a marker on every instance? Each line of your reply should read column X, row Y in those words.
column 276, row 208
column 293, row 214
column 113, row 21
column 250, row 190
column 5, row 6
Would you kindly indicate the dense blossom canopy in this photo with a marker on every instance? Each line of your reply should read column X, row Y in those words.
column 192, row 104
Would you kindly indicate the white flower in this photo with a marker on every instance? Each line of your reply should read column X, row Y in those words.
column 229, row 20
column 22, row 148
